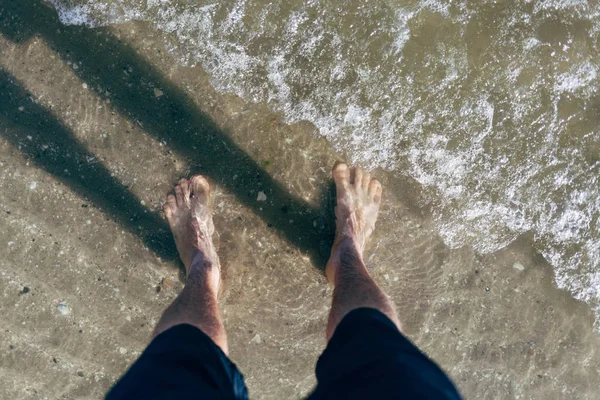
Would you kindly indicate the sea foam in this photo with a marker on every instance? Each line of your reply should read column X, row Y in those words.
column 491, row 109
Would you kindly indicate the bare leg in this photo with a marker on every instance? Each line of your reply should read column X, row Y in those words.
column 191, row 223
column 356, row 213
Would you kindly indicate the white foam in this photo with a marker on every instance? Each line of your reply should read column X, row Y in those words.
column 487, row 134
column 580, row 76
column 560, row 5
column 401, row 30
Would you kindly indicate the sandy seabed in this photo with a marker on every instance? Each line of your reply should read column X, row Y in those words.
column 96, row 126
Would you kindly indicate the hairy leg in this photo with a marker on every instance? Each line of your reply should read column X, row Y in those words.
column 356, row 213
column 190, row 219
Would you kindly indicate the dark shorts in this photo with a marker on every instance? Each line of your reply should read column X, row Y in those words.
column 367, row 358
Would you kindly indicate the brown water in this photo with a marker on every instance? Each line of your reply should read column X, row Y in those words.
column 492, row 106
column 484, row 115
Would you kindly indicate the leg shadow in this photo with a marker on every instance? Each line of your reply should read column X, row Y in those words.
column 110, row 65
column 54, row 148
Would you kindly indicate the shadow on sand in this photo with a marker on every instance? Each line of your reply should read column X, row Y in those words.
column 175, row 119
column 54, row 148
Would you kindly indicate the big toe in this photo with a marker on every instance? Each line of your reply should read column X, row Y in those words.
column 200, row 188
column 185, row 187
column 341, row 174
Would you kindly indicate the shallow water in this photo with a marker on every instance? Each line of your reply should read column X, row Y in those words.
column 97, row 125
column 492, row 106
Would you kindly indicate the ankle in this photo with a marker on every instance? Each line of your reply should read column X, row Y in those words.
column 348, row 250
column 205, row 271
column 346, row 257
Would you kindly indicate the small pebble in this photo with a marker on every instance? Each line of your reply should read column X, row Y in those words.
column 122, row 350
column 256, row 339
column 158, row 92
column 85, row 86
column 261, row 196
column 167, row 283
column 63, row 308
column 487, row 289
column 21, row 108
column 518, row 266
column 33, row 185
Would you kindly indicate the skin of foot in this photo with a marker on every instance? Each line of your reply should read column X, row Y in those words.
column 358, row 199
column 190, row 219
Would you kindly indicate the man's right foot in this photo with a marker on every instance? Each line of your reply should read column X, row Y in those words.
column 356, row 212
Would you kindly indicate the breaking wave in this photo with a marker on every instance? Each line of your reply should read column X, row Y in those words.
column 493, row 108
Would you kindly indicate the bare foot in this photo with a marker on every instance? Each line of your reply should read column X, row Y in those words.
column 356, row 212
column 190, row 219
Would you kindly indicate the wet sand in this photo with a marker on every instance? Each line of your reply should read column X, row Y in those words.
column 96, row 126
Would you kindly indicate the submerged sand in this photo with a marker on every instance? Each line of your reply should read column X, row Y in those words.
column 96, row 126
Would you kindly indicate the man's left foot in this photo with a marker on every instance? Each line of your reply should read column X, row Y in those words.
column 190, row 220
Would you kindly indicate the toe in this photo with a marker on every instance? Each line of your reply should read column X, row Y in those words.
column 341, row 174
column 377, row 196
column 168, row 211
column 200, row 187
column 179, row 196
column 171, row 202
column 358, row 175
column 365, row 181
column 375, row 189
column 185, row 187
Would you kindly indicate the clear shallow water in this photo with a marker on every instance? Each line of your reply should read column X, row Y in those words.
column 492, row 106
